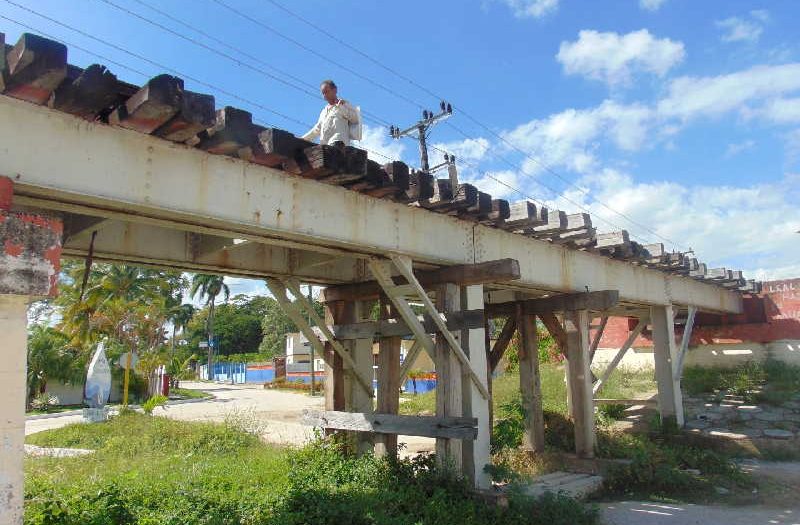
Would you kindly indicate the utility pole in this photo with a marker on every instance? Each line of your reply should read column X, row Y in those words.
column 421, row 128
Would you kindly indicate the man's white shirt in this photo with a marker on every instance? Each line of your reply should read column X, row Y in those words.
column 334, row 124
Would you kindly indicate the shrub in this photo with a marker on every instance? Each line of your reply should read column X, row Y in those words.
column 44, row 402
column 154, row 401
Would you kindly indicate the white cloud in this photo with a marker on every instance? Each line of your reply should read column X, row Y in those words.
column 749, row 29
column 651, row 5
column 467, row 149
column 695, row 96
column 792, row 140
column 531, row 8
column 614, row 58
column 570, row 138
column 747, row 228
column 739, row 147
column 380, row 145
column 782, row 110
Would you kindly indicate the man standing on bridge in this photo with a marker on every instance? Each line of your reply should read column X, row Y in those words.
column 339, row 122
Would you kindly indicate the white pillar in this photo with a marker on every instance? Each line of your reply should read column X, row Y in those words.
column 475, row 454
column 670, row 400
column 13, row 355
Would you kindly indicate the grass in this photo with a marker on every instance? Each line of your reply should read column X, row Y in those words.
column 623, row 384
column 54, row 409
column 188, row 393
column 771, row 382
column 150, row 470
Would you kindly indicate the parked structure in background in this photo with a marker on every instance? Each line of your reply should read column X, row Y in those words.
column 768, row 328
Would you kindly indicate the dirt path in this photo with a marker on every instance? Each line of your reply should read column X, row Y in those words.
column 273, row 414
column 780, row 487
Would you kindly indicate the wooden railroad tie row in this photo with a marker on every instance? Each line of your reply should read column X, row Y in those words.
column 36, row 70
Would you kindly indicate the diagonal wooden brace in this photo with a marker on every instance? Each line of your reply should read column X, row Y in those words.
column 278, row 289
column 382, row 274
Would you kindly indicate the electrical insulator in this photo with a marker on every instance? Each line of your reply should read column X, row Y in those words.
column 442, row 105
column 449, row 108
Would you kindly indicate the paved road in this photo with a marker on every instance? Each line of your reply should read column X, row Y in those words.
column 638, row 513
column 273, row 414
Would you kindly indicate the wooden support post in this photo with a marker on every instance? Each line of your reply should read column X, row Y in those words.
column 503, row 340
column 530, row 382
column 687, row 337
column 388, row 383
column 448, row 378
column 670, row 400
column 356, row 399
column 475, row 453
column 487, row 336
column 334, row 366
column 576, row 326
column 13, row 322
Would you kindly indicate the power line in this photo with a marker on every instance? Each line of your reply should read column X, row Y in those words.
column 304, row 86
column 159, row 66
column 466, row 114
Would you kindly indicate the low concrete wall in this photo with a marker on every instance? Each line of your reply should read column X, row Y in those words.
column 714, row 355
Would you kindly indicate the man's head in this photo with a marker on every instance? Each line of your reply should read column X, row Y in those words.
column 328, row 90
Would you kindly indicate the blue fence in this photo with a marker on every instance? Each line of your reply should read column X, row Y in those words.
column 240, row 373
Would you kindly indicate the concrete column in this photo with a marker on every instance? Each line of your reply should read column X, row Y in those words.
column 13, row 355
column 30, row 249
column 576, row 326
column 670, row 399
column 475, row 454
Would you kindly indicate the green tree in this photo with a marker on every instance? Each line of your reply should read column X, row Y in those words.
column 50, row 358
column 208, row 287
column 274, row 326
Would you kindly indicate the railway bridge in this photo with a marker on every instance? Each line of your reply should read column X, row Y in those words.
column 156, row 175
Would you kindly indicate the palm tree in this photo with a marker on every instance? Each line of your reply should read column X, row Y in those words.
column 180, row 317
column 209, row 287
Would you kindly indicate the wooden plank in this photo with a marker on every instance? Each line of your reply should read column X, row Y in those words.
column 597, row 336
column 398, row 328
column 3, row 63
column 280, row 147
column 594, row 301
column 411, row 357
column 449, row 376
column 36, row 67
column 598, row 384
column 231, row 131
column 503, row 340
column 446, row 199
column 555, row 328
column 399, row 178
column 424, row 426
column 580, row 380
column 294, row 287
column 525, row 214
column 530, row 383
column 556, row 222
column 195, row 114
column 150, row 107
column 352, row 165
column 626, row 402
column 388, row 376
column 480, row 209
column 420, row 187
column 86, row 94
column 497, row 271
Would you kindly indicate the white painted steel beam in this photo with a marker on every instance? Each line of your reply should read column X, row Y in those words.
column 156, row 246
column 144, row 178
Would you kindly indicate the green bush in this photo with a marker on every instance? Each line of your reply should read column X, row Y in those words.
column 151, row 470
column 154, row 401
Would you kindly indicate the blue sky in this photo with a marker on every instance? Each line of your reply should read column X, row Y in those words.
column 677, row 120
